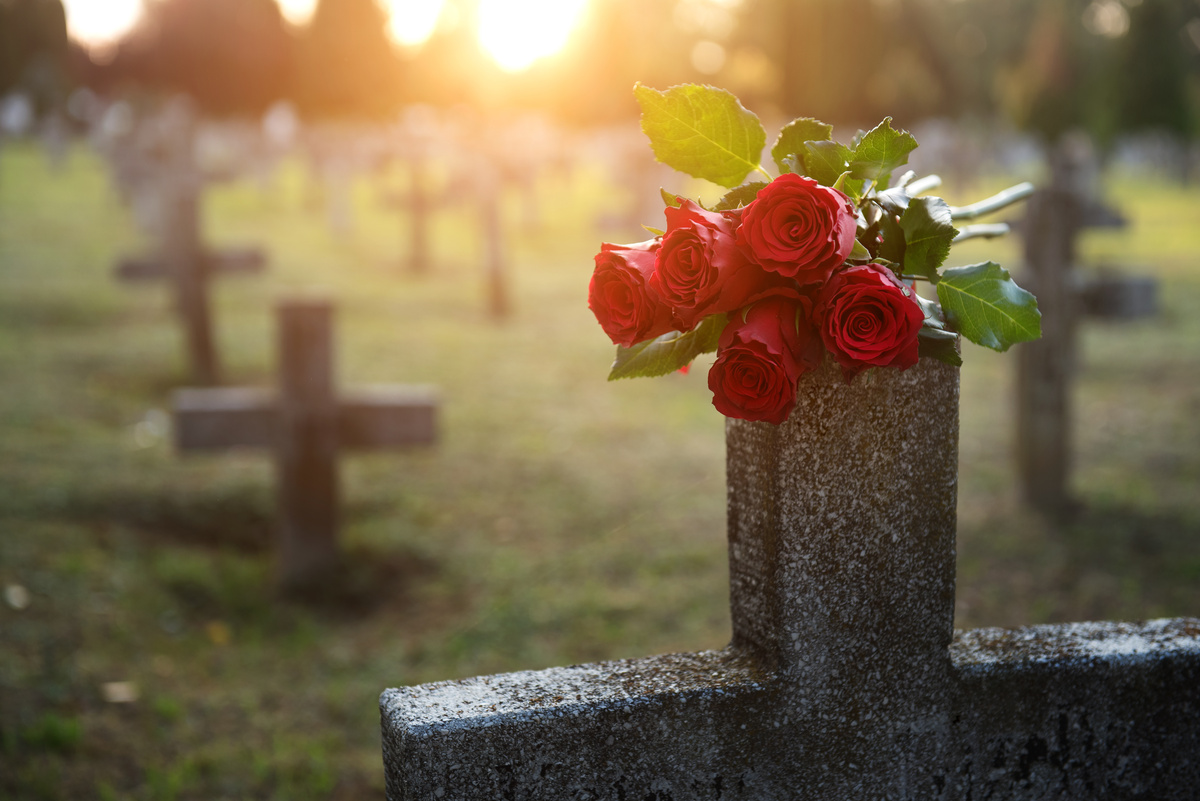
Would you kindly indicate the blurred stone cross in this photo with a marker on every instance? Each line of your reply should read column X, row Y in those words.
column 1054, row 219
column 489, row 187
column 306, row 424
column 167, row 170
column 418, row 204
column 845, row 678
column 419, row 137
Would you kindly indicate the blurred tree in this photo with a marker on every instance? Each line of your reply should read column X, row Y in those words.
column 346, row 66
column 855, row 61
column 1105, row 67
column 230, row 56
column 1063, row 79
column 1154, row 77
column 33, row 49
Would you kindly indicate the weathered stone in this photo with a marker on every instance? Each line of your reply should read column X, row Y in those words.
column 1077, row 711
column 844, row 679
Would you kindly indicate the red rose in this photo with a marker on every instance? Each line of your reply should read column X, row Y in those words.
column 798, row 228
column 700, row 270
column 626, row 308
column 868, row 318
column 763, row 351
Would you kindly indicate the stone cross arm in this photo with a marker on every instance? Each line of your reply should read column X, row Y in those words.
column 1071, row 711
column 231, row 261
column 368, row 418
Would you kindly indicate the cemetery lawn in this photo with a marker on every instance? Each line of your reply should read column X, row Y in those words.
column 561, row 518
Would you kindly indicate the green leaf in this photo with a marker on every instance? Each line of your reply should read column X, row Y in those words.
column 742, row 196
column 892, row 247
column 928, row 233
column 933, row 314
column 933, row 332
column 984, row 304
column 859, row 252
column 894, row 200
column 792, row 138
column 881, row 150
column 850, row 187
column 825, row 161
column 653, row 230
column 670, row 198
column 669, row 352
column 941, row 345
column 702, row 131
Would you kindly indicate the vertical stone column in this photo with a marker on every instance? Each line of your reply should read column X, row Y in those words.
column 841, row 558
column 418, row 212
column 181, row 244
column 493, row 241
column 1044, row 367
column 306, row 443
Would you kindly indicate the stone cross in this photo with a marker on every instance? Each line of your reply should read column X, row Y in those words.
column 169, row 171
column 845, row 678
column 420, row 202
column 306, row 424
column 495, row 264
column 1054, row 218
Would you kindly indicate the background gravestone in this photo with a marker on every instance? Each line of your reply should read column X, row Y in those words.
column 156, row 166
column 1054, row 219
column 306, row 425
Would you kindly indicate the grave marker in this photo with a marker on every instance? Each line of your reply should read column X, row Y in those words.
column 490, row 222
column 844, row 678
column 419, row 203
column 164, row 165
column 306, row 424
column 1054, row 218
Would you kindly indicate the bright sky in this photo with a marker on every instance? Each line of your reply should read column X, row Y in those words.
column 514, row 32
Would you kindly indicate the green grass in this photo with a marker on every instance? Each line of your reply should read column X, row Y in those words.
column 560, row 519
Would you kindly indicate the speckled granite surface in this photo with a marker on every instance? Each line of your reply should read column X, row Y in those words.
column 844, row 679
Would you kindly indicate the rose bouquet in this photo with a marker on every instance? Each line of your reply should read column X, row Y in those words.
column 821, row 260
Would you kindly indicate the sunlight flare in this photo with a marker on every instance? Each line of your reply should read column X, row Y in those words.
column 516, row 33
column 95, row 22
column 297, row 12
column 413, row 21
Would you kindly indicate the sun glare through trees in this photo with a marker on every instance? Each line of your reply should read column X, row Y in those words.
column 518, row 32
column 101, row 21
column 514, row 33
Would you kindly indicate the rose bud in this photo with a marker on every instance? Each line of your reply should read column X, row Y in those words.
column 868, row 318
column 762, row 352
column 627, row 309
column 798, row 228
column 700, row 270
